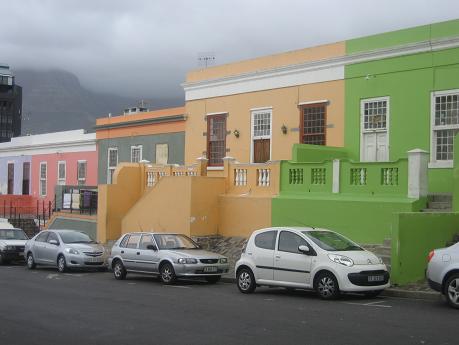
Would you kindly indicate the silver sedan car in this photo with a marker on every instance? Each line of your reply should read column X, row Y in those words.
column 65, row 249
column 170, row 256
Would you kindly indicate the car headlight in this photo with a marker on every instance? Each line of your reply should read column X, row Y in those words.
column 72, row 251
column 341, row 259
column 187, row 261
column 380, row 260
column 224, row 260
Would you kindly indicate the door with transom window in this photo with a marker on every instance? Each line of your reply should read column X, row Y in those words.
column 261, row 135
column 374, row 145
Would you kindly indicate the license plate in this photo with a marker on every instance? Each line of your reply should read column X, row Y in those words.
column 375, row 278
column 210, row 269
column 94, row 259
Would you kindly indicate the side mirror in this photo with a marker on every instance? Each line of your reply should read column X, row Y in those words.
column 56, row 243
column 152, row 247
column 304, row 249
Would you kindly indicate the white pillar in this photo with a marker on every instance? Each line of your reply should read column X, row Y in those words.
column 417, row 173
column 336, row 167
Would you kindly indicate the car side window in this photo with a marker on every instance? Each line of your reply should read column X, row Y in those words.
column 289, row 242
column 133, row 241
column 266, row 240
column 145, row 241
column 42, row 237
column 52, row 236
column 124, row 241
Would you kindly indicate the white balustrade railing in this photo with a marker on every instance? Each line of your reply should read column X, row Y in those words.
column 263, row 177
column 240, row 177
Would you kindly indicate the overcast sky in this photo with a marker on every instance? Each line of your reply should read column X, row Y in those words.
column 143, row 48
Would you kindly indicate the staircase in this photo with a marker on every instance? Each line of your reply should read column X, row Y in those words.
column 439, row 203
column 27, row 224
column 382, row 251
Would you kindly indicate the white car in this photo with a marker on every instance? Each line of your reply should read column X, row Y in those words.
column 309, row 258
column 12, row 242
column 443, row 273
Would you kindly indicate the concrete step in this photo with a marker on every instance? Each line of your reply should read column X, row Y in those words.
column 440, row 197
column 439, row 205
column 436, row 210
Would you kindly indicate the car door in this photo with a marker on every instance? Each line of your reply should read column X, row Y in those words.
column 147, row 259
column 129, row 252
column 50, row 250
column 290, row 265
column 263, row 254
column 38, row 246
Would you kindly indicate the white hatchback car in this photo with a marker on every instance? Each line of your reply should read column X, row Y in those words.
column 443, row 273
column 309, row 258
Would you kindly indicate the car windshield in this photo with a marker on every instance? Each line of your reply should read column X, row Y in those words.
column 75, row 237
column 12, row 234
column 331, row 241
column 167, row 241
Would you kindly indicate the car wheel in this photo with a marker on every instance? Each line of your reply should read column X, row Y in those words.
column 327, row 286
column 31, row 262
column 167, row 274
column 452, row 291
column 372, row 294
column 246, row 281
column 213, row 279
column 61, row 264
column 119, row 271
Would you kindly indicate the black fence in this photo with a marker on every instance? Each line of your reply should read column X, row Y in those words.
column 76, row 199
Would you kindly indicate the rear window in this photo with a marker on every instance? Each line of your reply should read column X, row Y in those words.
column 266, row 240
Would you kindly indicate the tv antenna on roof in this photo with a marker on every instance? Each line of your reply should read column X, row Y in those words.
column 206, row 59
column 143, row 103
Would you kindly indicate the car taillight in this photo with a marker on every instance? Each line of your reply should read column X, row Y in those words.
column 431, row 254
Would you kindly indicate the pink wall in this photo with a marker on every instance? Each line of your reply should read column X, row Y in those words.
column 71, row 159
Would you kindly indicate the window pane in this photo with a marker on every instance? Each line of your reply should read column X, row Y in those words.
column 289, row 242
column 313, row 126
column 444, row 144
column 112, row 158
column 61, row 170
column 162, row 153
column 145, row 241
column 133, row 241
column 447, row 110
column 262, row 124
column 374, row 116
column 266, row 240
column 216, row 139
column 136, row 154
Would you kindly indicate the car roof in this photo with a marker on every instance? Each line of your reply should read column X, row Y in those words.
column 294, row 228
column 152, row 233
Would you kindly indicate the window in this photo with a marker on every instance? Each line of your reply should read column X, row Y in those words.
column 10, row 178
column 136, row 154
column 81, row 172
column 26, row 178
column 112, row 163
column 375, row 114
column 133, row 241
column 312, row 126
column 445, row 125
column 124, row 241
column 61, row 172
column 43, row 178
column 216, row 139
column 289, row 242
column 52, row 236
column 261, row 136
column 266, row 240
column 145, row 241
column 162, row 153
column 262, row 124
column 42, row 237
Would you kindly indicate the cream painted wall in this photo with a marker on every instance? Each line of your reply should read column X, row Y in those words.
column 284, row 103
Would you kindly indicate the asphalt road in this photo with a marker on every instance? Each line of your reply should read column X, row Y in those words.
column 44, row 307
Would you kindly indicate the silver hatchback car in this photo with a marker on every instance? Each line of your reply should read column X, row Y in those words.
column 65, row 249
column 170, row 256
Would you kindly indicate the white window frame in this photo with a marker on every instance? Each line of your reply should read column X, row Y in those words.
column 253, row 112
column 433, row 138
column 82, row 180
column 140, row 147
column 61, row 181
column 110, row 168
column 362, row 122
column 41, row 179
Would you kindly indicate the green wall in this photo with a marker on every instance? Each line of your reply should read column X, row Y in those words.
column 176, row 142
column 364, row 219
column 316, row 153
column 414, row 236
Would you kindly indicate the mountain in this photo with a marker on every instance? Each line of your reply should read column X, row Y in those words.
column 55, row 100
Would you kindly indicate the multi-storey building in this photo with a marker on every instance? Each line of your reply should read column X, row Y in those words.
column 10, row 105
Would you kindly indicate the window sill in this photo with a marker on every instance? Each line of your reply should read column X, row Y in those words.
column 440, row 165
column 215, row 168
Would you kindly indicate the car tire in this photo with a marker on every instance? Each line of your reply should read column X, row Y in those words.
column 372, row 294
column 167, row 274
column 61, row 264
column 452, row 291
column 326, row 286
column 213, row 279
column 119, row 271
column 245, row 280
column 31, row 262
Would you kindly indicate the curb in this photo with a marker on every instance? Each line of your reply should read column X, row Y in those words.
column 391, row 292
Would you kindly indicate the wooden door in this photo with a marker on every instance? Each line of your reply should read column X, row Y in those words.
column 261, row 150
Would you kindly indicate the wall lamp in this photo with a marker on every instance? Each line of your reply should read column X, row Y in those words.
column 236, row 133
column 284, row 129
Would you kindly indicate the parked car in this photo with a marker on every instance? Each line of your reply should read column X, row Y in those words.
column 443, row 273
column 309, row 258
column 65, row 249
column 12, row 242
column 169, row 256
